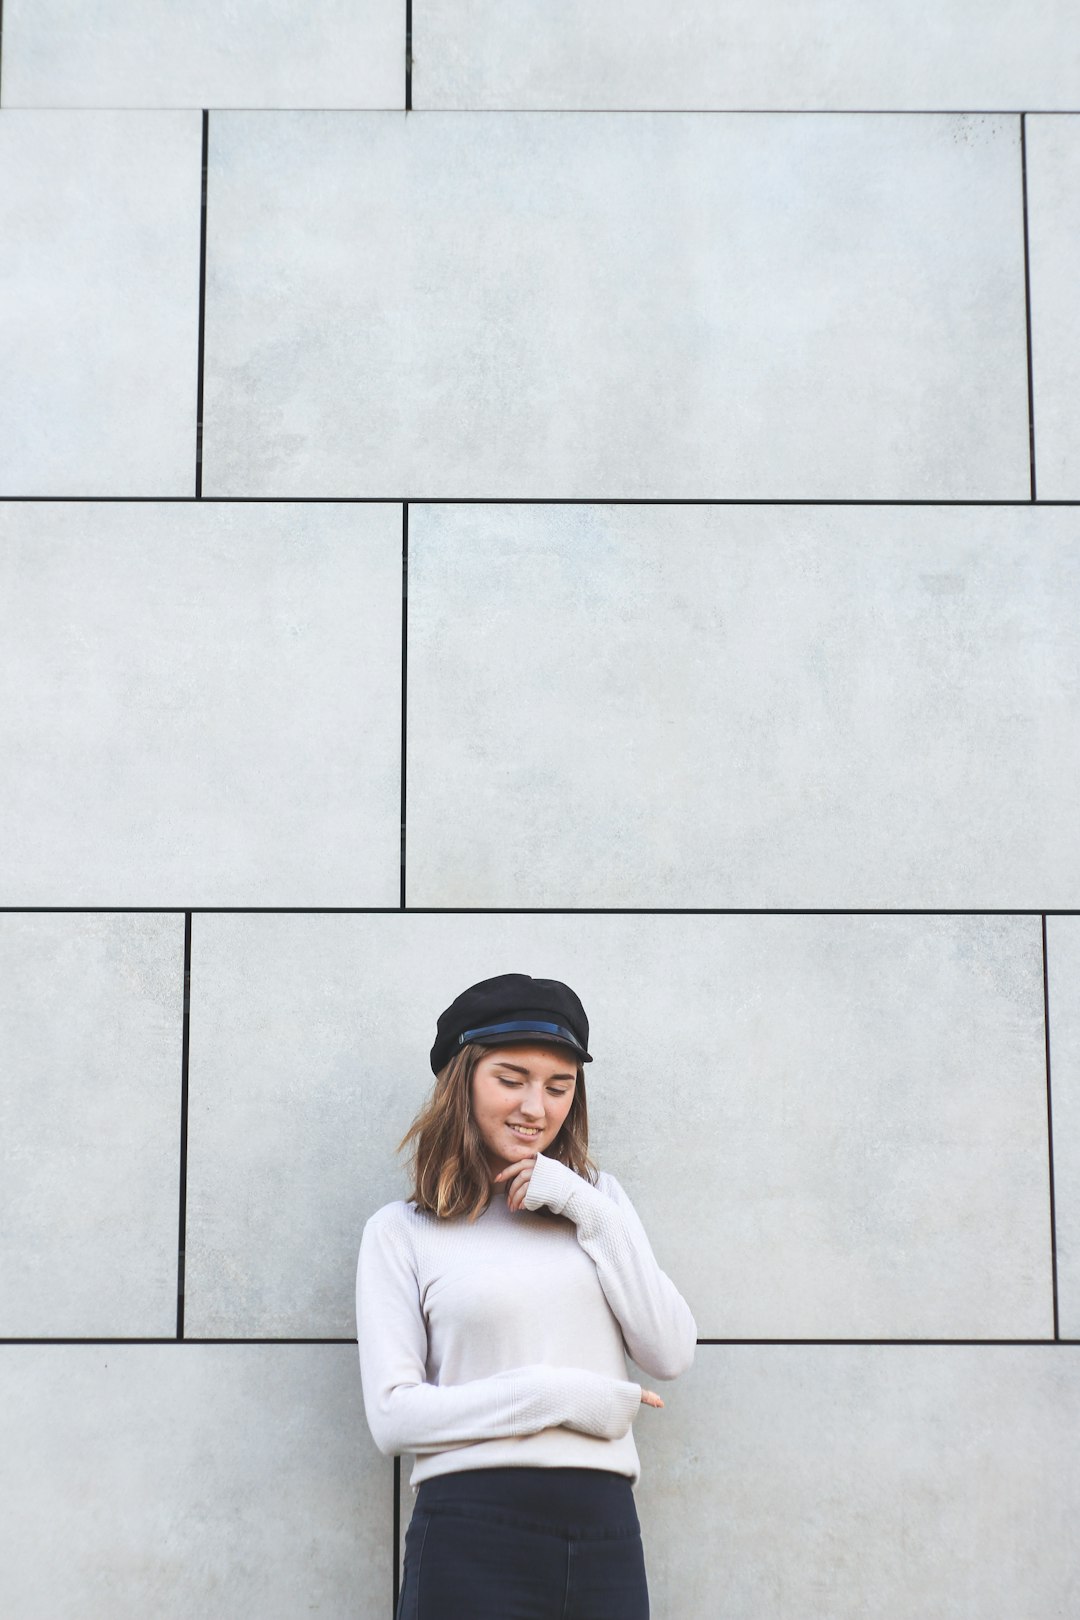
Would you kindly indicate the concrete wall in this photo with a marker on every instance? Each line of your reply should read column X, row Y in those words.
column 710, row 378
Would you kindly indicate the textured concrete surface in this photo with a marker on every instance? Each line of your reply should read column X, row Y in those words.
column 1063, row 994
column 99, row 301
column 209, row 704
column 250, row 53
column 743, row 706
column 639, row 305
column 90, row 1083
column 799, row 54
column 1053, row 169
column 172, row 1480
column 839, row 1481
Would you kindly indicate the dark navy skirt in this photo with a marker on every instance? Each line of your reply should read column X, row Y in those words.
column 524, row 1544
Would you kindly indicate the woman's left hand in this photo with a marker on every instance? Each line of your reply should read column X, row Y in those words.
column 520, row 1174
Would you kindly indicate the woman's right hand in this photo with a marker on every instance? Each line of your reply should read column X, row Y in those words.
column 649, row 1398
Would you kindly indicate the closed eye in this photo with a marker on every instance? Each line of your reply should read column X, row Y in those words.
column 559, row 1093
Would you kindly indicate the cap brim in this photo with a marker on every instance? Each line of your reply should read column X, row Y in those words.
column 540, row 1037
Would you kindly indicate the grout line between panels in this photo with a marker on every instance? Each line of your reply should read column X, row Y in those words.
column 563, row 112
column 408, row 56
column 1050, row 1129
column 73, row 1339
column 1, row 53
column 181, row 1244
column 548, row 911
column 396, row 1538
column 404, row 686
column 1027, row 302
column 550, row 500
column 768, row 112
column 899, row 1343
column 202, row 305
column 676, row 112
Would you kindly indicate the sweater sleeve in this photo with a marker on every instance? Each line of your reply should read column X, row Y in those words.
column 406, row 1413
column 658, row 1328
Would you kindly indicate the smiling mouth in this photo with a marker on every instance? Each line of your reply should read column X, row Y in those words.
column 523, row 1130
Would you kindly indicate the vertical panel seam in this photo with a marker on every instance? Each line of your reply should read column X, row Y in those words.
column 1027, row 302
column 181, row 1245
column 396, row 1582
column 408, row 55
column 1050, row 1129
column 404, row 686
column 202, row 304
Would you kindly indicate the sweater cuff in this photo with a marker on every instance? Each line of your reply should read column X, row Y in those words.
column 552, row 1183
column 627, row 1401
column 600, row 1405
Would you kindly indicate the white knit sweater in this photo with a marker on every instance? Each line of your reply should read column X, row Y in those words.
column 503, row 1341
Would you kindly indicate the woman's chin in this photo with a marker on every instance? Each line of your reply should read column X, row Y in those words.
column 513, row 1153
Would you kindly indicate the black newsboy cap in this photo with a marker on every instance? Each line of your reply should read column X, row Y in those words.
column 511, row 1007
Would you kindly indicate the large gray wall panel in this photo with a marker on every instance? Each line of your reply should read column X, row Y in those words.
column 90, row 1080
column 1063, row 994
column 249, row 53
column 816, row 54
column 645, row 304
column 852, row 1109
column 743, row 706
column 829, row 1482
column 230, row 1482
column 99, row 302
column 1053, row 169
column 209, row 704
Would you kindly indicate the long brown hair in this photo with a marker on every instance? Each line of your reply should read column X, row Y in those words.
column 448, row 1166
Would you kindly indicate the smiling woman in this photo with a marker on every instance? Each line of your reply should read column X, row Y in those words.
column 495, row 1310
column 520, row 1099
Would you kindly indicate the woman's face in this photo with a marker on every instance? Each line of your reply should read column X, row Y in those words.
column 521, row 1085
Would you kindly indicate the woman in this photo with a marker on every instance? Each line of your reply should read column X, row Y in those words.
column 494, row 1311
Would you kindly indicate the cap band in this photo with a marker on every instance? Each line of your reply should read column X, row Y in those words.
column 532, row 1025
